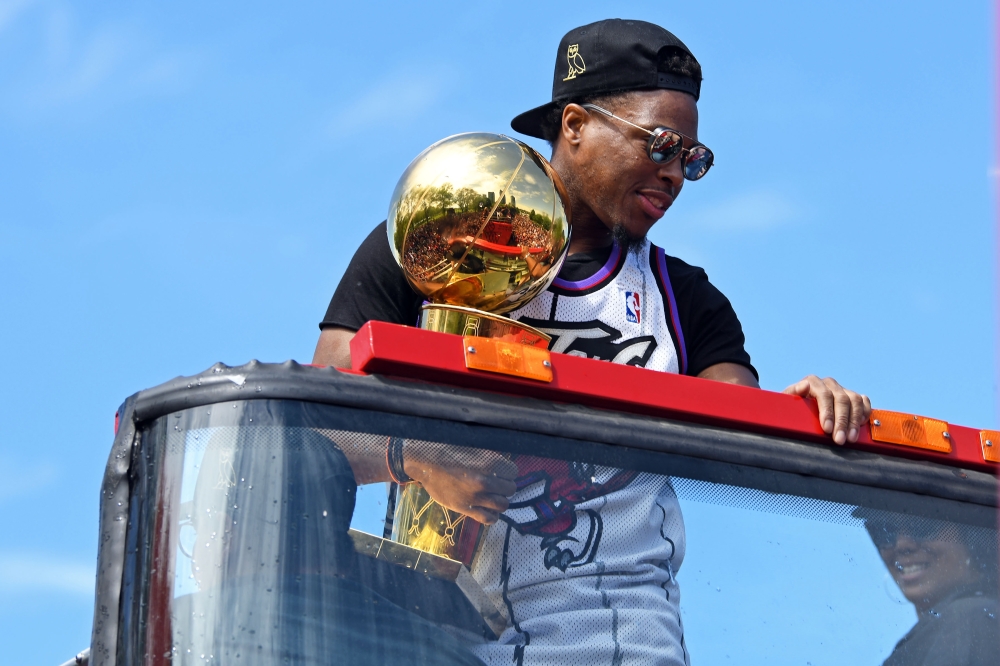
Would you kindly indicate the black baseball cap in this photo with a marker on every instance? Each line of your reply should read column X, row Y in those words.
column 609, row 56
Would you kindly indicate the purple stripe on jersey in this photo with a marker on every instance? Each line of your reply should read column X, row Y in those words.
column 596, row 278
column 661, row 263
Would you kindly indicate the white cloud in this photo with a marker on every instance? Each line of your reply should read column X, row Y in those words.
column 77, row 64
column 20, row 480
column 755, row 210
column 34, row 572
column 385, row 102
column 9, row 10
column 92, row 65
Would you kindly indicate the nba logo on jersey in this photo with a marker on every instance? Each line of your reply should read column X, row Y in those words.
column 633, row 307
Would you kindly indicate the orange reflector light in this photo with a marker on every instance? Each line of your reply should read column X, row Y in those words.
column 990, row 439
column 508, row 358
column 910, row 430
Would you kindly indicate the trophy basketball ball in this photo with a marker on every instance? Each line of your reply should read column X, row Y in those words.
column 479, row 225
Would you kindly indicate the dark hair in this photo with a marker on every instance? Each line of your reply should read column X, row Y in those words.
column 670, row 60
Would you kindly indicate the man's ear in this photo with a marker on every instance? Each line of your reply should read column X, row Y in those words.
column 574, row 117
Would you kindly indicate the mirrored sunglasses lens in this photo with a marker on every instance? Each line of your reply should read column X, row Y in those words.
column 664, row 146
column 698, row 163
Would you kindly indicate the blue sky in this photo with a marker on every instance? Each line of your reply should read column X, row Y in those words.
column 182, row 184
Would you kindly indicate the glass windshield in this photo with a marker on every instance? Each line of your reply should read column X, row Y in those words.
column 264, row 548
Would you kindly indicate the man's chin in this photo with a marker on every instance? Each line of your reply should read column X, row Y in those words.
column 627, row 240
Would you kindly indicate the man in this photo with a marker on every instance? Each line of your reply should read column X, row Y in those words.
column 623, row 125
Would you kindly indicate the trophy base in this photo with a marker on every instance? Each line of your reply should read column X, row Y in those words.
column 419, row 522
column 438, row 589
column 471, row 322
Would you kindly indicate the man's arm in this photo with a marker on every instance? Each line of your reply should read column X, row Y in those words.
column 473, row 482
column 334, row 347
column 731, row 373
column 841, row 411
column 372, row 288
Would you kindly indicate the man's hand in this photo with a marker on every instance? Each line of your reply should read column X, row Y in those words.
column 473, row 482
column 841, row 411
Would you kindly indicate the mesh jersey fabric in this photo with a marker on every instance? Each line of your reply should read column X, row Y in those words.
column 373, row 288
column 585, row 558
column 624, row 313
column 585, row 562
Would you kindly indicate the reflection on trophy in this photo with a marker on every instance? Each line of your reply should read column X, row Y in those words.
column 478, row 224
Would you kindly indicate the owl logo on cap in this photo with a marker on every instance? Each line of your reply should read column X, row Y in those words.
column 575, row 60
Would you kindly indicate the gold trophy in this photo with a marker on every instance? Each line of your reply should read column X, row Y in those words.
column 479, row 226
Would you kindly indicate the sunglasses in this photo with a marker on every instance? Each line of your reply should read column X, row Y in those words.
column 885, row 534
column 667, row 144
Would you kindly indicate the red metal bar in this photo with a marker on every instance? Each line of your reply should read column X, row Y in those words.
column 406, row 352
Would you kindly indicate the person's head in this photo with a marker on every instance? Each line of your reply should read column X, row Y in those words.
column 931, row 559
column 615, row 82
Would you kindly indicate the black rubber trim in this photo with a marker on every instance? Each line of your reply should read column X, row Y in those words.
column 291, row 381
column 114, row 508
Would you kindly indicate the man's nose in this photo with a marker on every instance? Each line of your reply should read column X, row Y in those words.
column 672, row 173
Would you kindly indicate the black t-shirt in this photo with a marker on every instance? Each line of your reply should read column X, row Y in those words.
column 374, row 288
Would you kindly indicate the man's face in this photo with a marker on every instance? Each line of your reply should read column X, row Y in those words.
column 611, row 172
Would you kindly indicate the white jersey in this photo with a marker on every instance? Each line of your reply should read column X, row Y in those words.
column 585, row 558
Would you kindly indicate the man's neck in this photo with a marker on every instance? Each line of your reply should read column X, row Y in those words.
column 586, row 236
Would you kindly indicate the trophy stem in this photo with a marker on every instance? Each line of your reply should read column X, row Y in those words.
column 419, row 521
column 422, row 523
